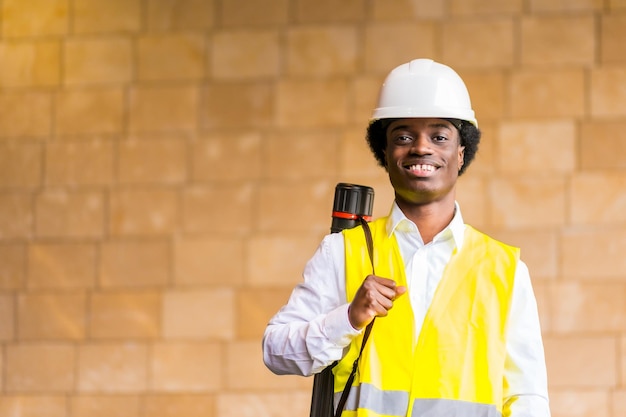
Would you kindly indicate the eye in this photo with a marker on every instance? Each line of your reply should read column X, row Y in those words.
column 439, row 138
column 402, row 139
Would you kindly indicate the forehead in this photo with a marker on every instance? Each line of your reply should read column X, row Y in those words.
column 420, row 123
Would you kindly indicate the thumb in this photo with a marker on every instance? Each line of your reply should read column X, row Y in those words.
column 401, row 289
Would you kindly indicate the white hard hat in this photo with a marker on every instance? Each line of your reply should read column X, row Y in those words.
column 424, row 88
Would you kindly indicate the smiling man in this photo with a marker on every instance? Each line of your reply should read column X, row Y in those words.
column 456, row 331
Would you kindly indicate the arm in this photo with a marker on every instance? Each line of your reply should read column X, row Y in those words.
column 525, row 379
column 311, row 331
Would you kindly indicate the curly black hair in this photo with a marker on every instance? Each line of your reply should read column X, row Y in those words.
column 377, row 140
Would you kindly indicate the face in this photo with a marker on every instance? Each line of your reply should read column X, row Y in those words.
column 423, row 158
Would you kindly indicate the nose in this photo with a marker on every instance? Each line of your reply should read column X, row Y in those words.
column 422, row 145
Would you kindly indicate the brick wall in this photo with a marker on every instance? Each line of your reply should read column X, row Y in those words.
column 167, row 167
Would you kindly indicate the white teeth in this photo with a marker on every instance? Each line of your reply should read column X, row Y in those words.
column 422, row 167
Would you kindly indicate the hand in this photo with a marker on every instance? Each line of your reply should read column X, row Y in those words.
column 374, row 298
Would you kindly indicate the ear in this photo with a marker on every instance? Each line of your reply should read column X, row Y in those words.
column 461, row 157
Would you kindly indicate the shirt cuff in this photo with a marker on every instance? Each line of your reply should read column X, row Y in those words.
column 337, row 326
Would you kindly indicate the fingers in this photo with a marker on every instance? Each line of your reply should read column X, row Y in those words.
column 374, row 298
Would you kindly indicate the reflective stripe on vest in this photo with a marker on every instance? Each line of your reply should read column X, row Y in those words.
column 394, row 403
column 457, row 361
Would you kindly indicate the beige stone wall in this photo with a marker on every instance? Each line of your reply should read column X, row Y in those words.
column 167, row 167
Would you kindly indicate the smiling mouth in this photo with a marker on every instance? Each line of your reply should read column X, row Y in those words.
column 421, row 168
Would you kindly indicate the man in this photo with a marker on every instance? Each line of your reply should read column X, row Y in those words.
column 457, row 331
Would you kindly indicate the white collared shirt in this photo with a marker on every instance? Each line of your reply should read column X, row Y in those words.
column 313, row 330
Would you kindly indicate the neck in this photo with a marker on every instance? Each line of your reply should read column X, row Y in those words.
column 430, row 218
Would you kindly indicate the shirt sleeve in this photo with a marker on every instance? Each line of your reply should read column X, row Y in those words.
column 525, row 379
column 312, row 330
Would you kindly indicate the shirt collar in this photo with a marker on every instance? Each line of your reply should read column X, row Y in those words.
column 398, row 221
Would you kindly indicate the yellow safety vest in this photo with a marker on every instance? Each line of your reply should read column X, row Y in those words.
column 455, row 366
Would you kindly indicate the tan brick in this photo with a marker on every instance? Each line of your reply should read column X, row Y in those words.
column 51, row 316
column 113, row 367
column 617, row 5
column 363, row 95
column 249, row 404
column 158, row 160
column 218, row 157
column 40, row 368
column 318, row 148
column 562, row 89
column 34, row 18
column 7, row 324
column 254, row 12
column 125, row 315
column 29, row 405
column 98, row 60
column 16, row 216
column 514, row 202
column 613, row 32
column 128, row 264
column 330, row 11
column 256, row 307
column 278, row 261
column 20, row 165
column 61, row 265
column 96, row 110
column 485, row 161
column 186, row 367
column 322, row 51
column 355, row 157
column 391, row 10
column 143, row 212
column 471, row 195
column 79, row 163
column 218, row 209
column 482, row 7
column 185, row 314
column 607, row 205
column 312, row 103
column 245, row 358
column 417, row 40
column 607, row 99
column 160, row 108
column 588, row 307
column 579, row 403
column 94, row 16
column 166, row 15
column 479, row 44
column 539, row 250
column 523, row 148
column 245, row 54
column 618, row 402
column 488, row 94
column 593, row 254
column 283, row 208
column 176, row 405
column 30, row 64
column 622, row 355
column 25, row 114
column 171, row 57
column 558, row 40
column 74, row 214
column 105, row 406
column 565, row 6
column 237, row 105
column 208, row 261
column 12, row 266
column 608, row 156
column 595, row 359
